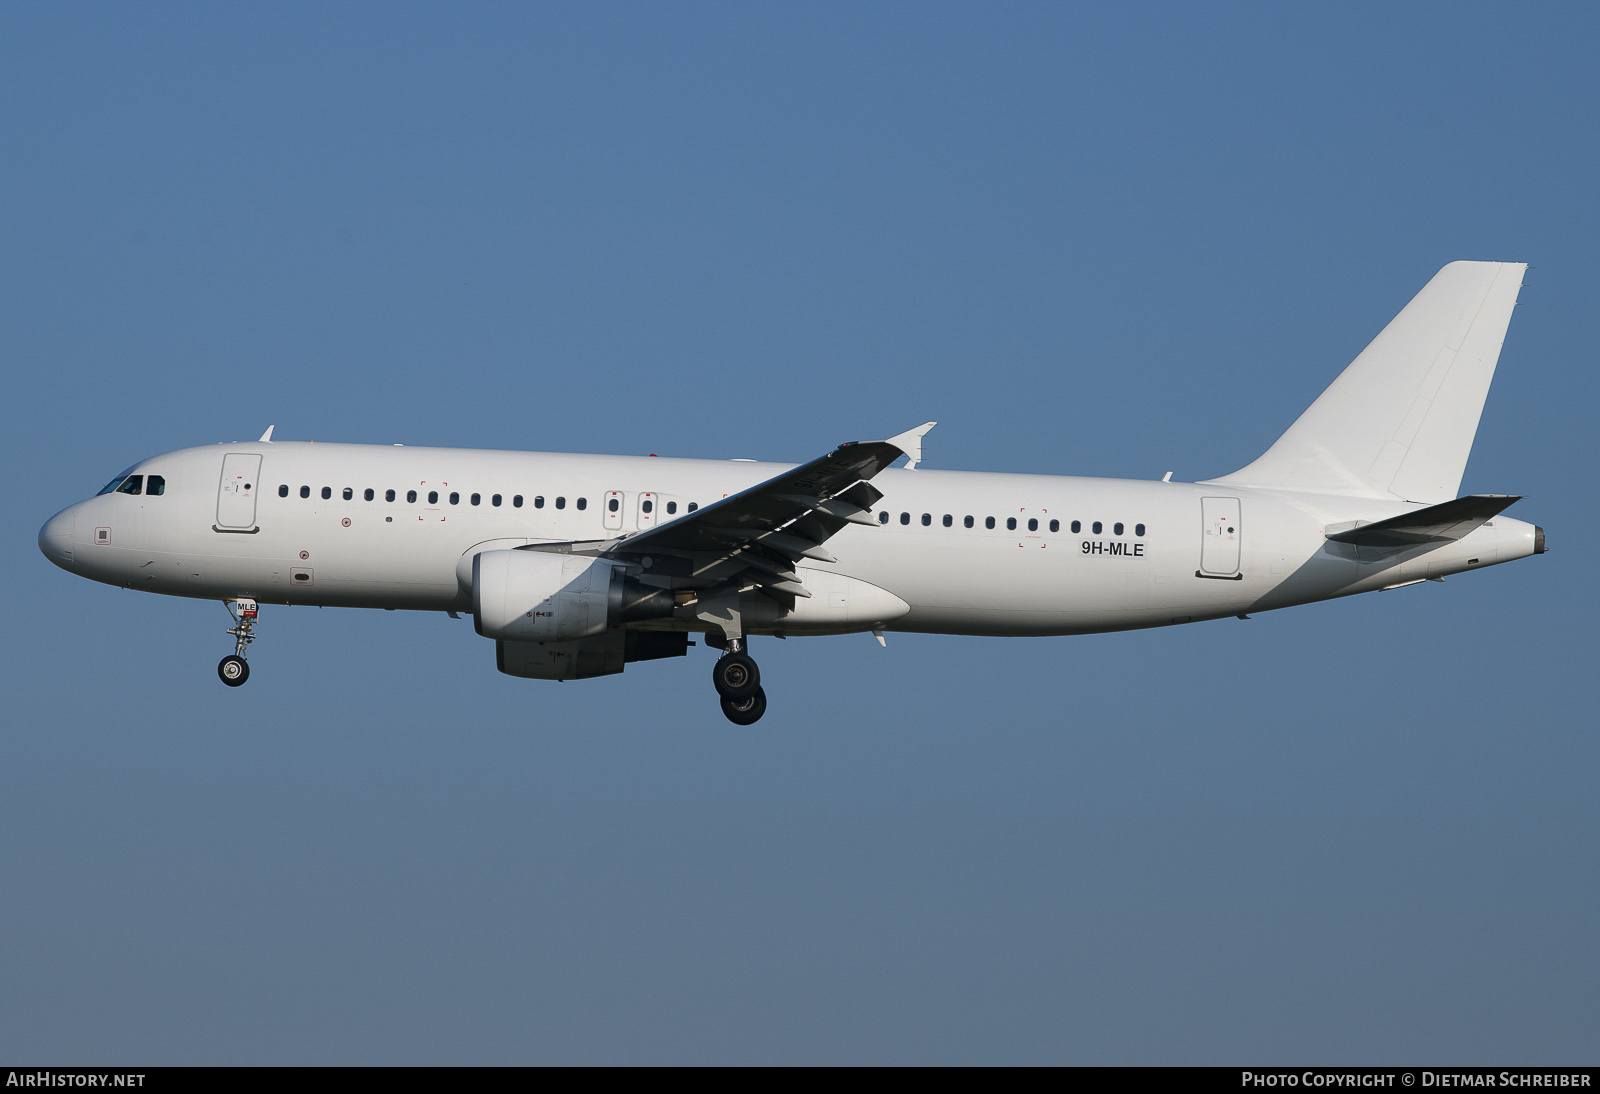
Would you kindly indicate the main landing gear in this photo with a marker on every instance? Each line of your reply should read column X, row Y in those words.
column 233, row 669
column 738, row 682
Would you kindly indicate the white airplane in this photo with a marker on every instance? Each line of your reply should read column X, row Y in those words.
column 576, row 565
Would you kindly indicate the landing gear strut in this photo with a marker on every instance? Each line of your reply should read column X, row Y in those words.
column 738, row 682
column 233, row 669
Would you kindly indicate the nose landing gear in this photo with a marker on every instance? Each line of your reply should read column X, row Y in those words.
column 233, row 670
column 738, row 683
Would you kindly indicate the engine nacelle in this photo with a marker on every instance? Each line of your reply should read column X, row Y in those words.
column 539, row 596
column 602, row 655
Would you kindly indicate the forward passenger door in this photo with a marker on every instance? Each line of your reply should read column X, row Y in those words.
column 236, row 493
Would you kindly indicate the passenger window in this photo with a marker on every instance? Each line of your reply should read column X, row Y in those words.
column 1011, row 523
column 1096, row 527
column 411, row 496
column 388, row 495
column 988, row 522
column 561, row 503
column 1055, row 526
column 693, row 505
column 1033, row 524
column 367, row 494
column 433, row 497
column 966, row 522
column 455, row 498
column 283, row 491
column 648, row 507
column 476, row 499
column 948, row 520
column 614, row 504
column 538, row 501
column 927, row 519
column 1138, row 530
column 495, row 501
column 1077, row 526
column 583, row 503
column 327, row 492
column 1116, row 529
column 349, row 494
column 131, row 484
column 883, row 518
column 516, row 501
column 905, row 518
column 672, row 507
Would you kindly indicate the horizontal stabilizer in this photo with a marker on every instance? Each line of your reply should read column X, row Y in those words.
column 1447, row 521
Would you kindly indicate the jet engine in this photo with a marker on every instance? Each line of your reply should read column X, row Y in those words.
column 603, row 655
column 539, row 596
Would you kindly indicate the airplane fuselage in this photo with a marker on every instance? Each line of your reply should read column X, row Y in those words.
column 966, row 552
column 577, row 565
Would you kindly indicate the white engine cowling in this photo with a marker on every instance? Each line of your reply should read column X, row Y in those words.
column 539, row 596
column 535, row 596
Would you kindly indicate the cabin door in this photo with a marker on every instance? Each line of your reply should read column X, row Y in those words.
column 1219, row 544
column 236, row 494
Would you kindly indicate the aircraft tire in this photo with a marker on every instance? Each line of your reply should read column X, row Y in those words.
column 746, row 711
column 735, row 676
column 233, row 670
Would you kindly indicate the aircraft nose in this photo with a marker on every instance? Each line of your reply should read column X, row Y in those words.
column 55, row 538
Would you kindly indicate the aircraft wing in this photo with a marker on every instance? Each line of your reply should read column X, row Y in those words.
column 757, row 535
column 1446, row 521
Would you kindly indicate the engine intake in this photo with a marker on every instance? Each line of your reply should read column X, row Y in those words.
column 538, row 596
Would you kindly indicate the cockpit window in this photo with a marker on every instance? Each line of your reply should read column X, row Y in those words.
column 155, row 484
column 131, row 485
column 116, row 482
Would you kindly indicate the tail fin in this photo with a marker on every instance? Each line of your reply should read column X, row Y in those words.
column 1399, row 421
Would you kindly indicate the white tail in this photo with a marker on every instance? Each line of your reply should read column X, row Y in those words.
column 1399, row 420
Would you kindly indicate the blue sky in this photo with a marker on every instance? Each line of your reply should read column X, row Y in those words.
column 1106, row 240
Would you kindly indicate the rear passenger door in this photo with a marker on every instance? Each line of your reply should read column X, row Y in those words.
column 1220, row 536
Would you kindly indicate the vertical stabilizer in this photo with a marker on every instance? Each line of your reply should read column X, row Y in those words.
column 1399, row 421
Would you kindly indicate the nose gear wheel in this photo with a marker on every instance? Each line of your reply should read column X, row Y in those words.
column 233, row 670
